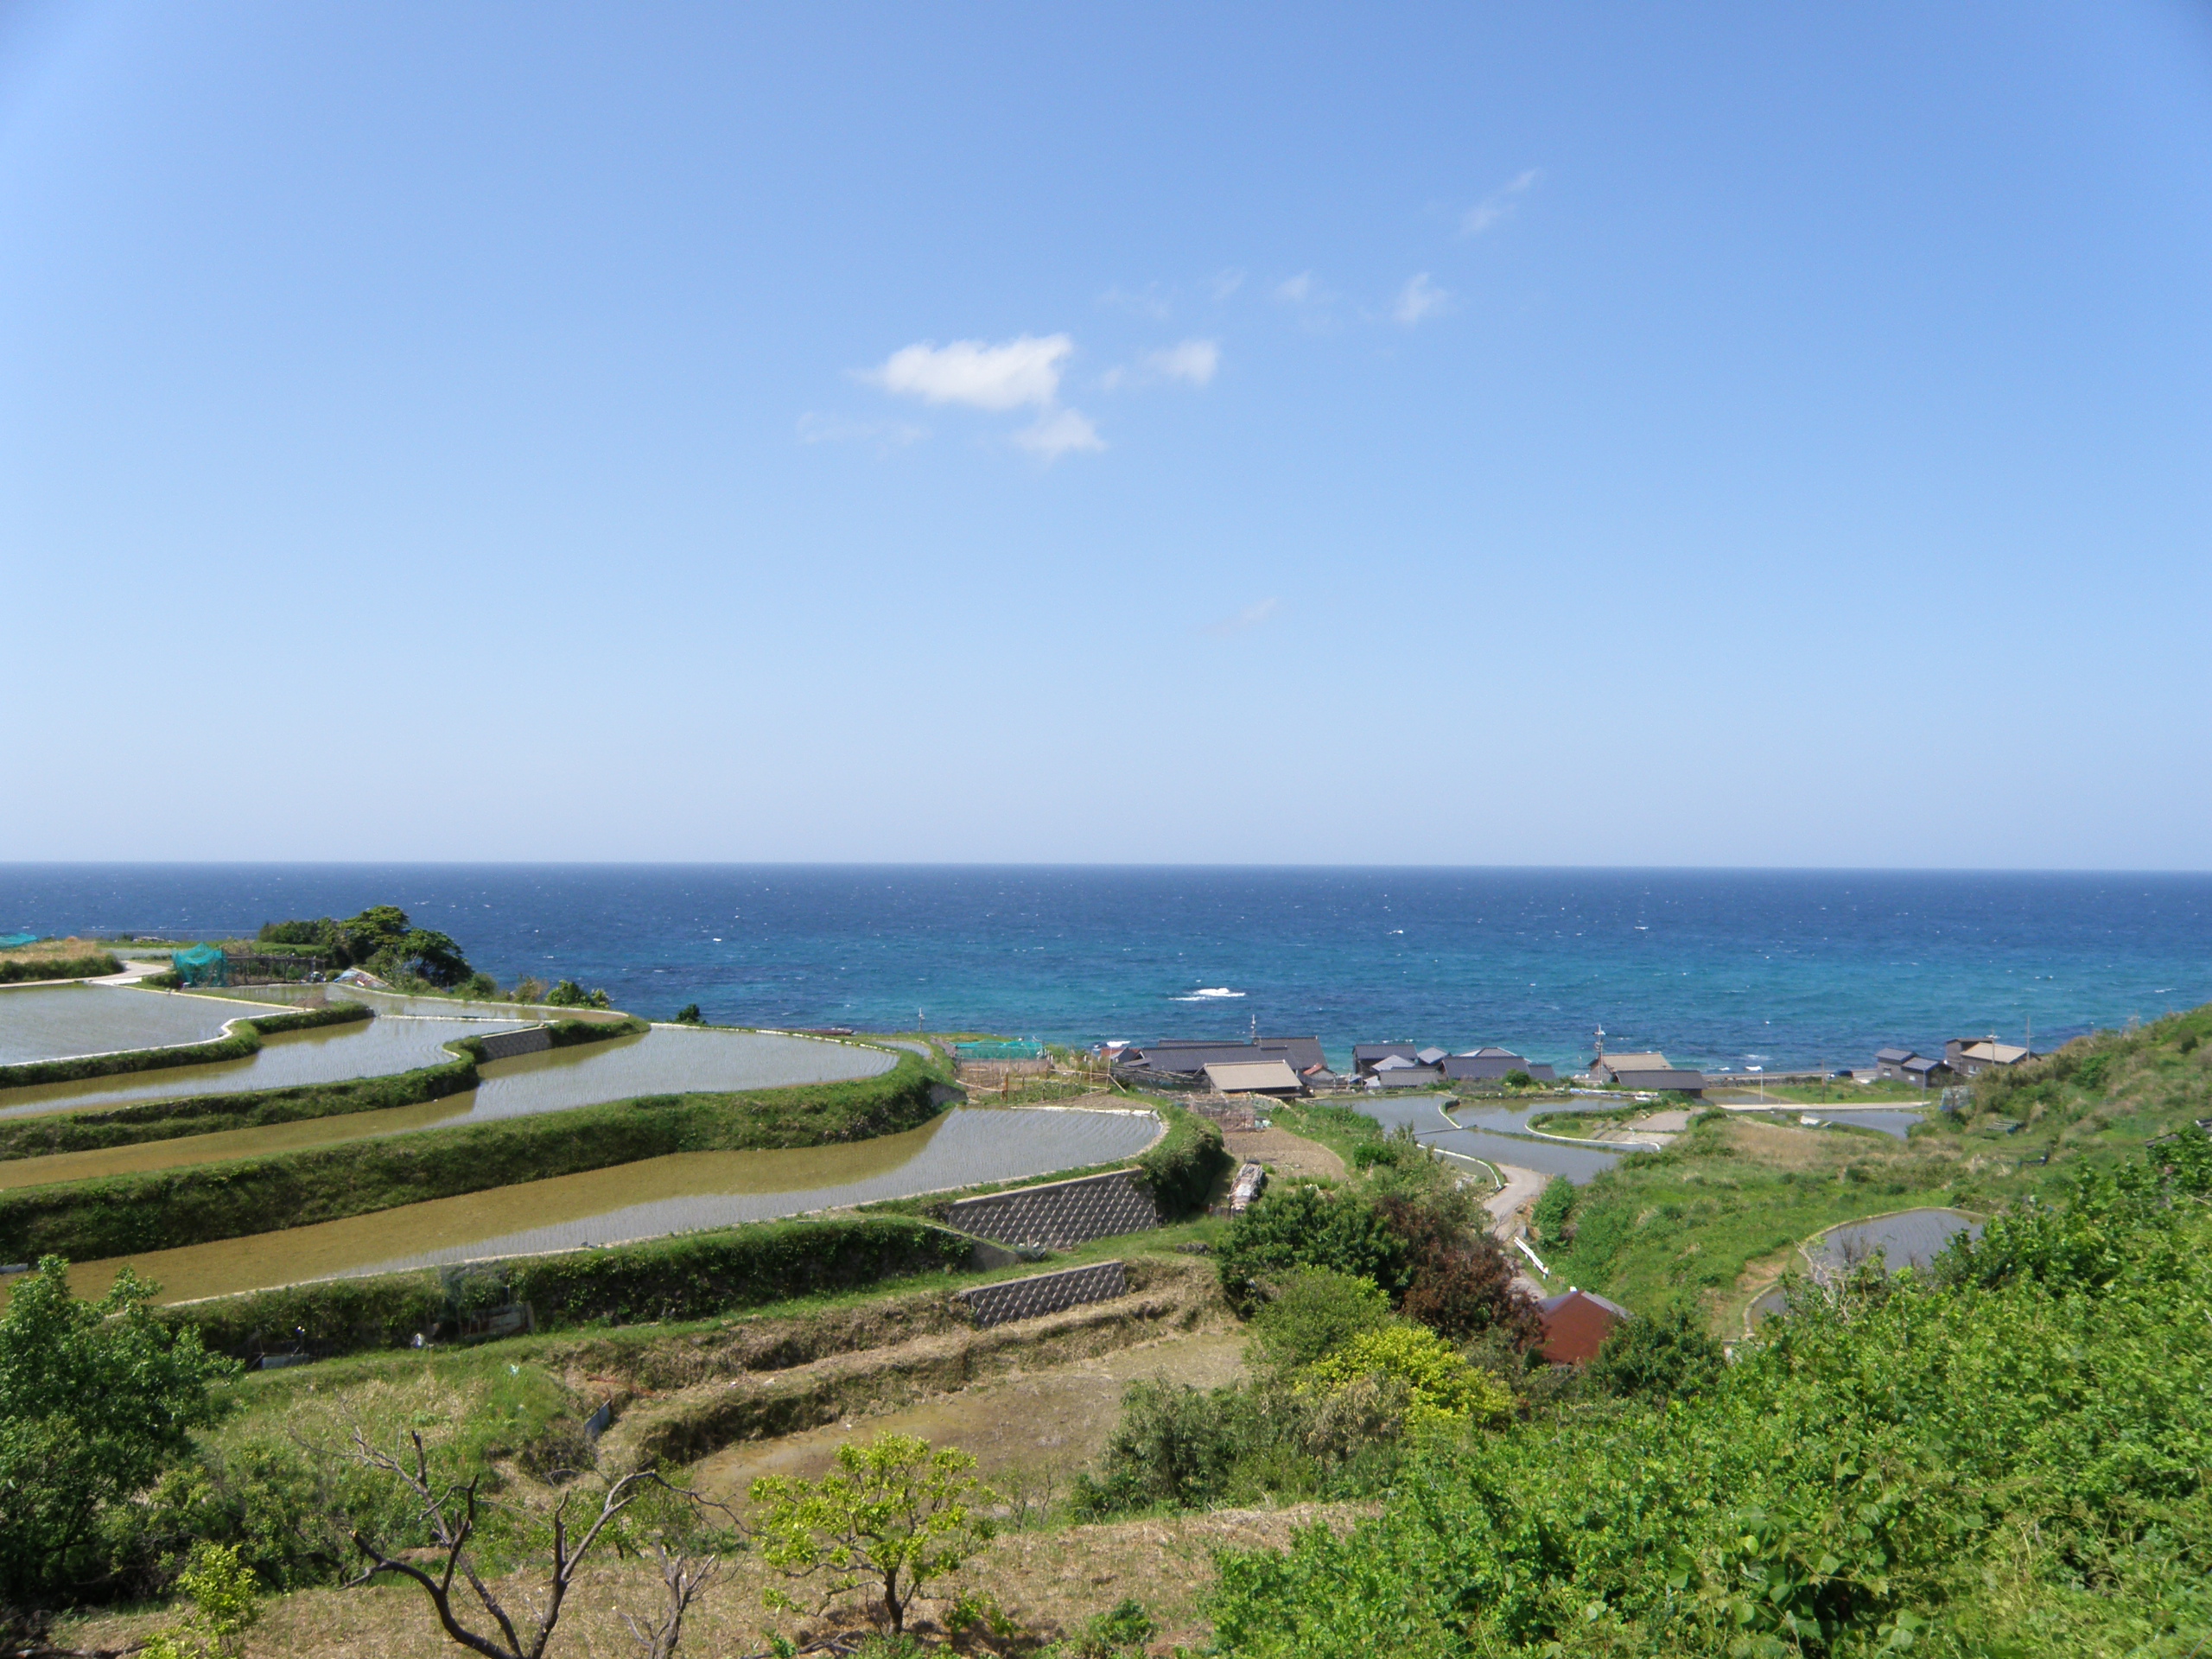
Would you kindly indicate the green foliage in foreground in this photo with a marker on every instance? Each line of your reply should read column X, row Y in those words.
column 691, row 1276
column 16, row 970
column 95, row 1398
column 893, row 1516
column 242, row 1040
column 2009, row 1459
column 91, row 1220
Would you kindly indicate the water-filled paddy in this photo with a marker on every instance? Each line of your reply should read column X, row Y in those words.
column 1911, row 1238
column 329, row 1054
column 646, row 1200
column 1422, row 1114
column 54, row 1022
column 666, row 1060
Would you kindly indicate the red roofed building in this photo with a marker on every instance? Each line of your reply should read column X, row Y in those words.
column 1577, row 1324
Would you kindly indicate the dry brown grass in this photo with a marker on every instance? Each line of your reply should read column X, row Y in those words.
column 1049, row 1581
column 52, row 950
column 1284, row 1153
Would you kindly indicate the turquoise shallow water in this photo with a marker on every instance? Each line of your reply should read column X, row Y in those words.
column 1717, row 968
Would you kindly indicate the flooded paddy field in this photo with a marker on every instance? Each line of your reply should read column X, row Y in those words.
column 666, row 1060
column 1494, row 1143
column 331, row 1054
column 58, row 1022
column 650, row 1198
column 1911, row 1238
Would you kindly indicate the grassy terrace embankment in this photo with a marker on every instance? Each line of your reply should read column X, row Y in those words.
column 21, row 968
column 94, row 1219
column 167, row 1120
column 241, row 1041
column 696, row 1276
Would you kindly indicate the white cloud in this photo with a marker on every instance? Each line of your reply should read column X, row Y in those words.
column 839, row 428
column 1250, row 617
column 1147, row 301
column 1418, row 299
column 1227, row 283
column 1498, row 204
column 1055, row 432
column 1194, row 360
column 1025, row 370
column 1298, row 289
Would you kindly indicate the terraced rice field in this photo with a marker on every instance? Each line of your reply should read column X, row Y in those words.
column 648, row 1200
column 53, row 1022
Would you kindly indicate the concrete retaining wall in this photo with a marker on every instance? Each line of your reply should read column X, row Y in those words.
column 1061, row 1213
column 1045, row 1292
column 505, row 1044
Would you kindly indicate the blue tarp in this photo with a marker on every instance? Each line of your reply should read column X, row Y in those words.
column 16, row 941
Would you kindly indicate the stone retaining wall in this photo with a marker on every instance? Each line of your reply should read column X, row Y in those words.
column 1061, row 1213
column 1045, row 1292
column 505, row 1044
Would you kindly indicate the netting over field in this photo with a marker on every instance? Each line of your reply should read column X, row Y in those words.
column 1023, row 1049
column 203, row 964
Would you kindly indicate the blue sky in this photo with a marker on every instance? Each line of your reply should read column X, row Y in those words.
column 1750, row 434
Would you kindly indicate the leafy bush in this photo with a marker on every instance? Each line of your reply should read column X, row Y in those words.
column 96, row 1397
column 569, row 995
column 1313, row 1314
column 1666, row 1355
column 1181, row 1170
column 16, row 970
column 1458, row 1281
column 2008, row 1457
column 1553, row 1210
column 1440, row 1386
column 1173, row 1446
column 1293, row 1228
column 894, row 1516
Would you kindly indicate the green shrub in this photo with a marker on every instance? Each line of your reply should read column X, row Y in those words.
column 1311, row 1314
column 16, row 970
column 2007, row 1459
column 1173, row 1447
column 1439, row 1385
column 96, row 1397
column 1553, row 1210
column 1668, row 1355
column 1293, row 1228
column 1182, row 1168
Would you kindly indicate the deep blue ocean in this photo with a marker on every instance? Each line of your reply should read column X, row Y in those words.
column 1717, row 968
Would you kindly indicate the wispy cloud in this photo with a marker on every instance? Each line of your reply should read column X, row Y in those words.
column 1297, row 290
column 1250, row 617
column 1419, row 298
column 1226, row 283
column 1055, row 432
column 1150, row 300
column 842, row 429
column 1024, row 370
column 1193, row 361
column 1499, row 204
